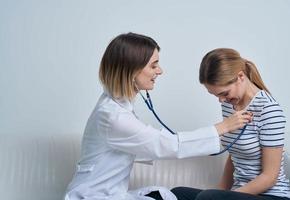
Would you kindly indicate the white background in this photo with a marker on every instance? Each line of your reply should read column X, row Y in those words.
column 50, row 53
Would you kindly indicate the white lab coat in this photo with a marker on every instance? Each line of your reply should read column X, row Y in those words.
column 114, row 138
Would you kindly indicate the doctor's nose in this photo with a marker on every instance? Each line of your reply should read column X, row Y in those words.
column 159, row 71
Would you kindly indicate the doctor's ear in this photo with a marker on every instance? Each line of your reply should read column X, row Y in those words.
column 135, row 85
column 134, row 82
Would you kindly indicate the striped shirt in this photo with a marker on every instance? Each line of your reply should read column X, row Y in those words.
column 266, row 130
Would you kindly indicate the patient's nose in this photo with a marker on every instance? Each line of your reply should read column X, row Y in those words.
column 222, row 99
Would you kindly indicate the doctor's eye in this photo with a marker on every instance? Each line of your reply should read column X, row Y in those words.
column 154, row 66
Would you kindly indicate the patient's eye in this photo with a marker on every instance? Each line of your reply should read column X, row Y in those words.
column 223, row 94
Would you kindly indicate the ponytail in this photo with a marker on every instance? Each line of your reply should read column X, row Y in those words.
column 254, row 75
column 221, row 66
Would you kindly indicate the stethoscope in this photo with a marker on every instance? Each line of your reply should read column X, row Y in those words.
column 231, row 144
column 149, row 104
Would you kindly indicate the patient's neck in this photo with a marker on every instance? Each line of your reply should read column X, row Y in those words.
column 249, row 94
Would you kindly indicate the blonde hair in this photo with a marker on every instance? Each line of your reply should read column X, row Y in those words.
column 124, row 58
column 221, row 67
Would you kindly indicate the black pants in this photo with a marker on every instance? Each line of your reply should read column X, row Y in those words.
column 155, row 195
column 185, row 193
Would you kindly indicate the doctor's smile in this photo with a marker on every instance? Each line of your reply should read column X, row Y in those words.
column 146, row 78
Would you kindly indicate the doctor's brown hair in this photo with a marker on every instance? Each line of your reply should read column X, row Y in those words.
column 221, row 67
column 124, row 58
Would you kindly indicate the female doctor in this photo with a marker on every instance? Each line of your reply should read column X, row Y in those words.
column 114, row 136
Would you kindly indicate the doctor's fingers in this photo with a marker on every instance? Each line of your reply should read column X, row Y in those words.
column 239, row 119
column 244, row 116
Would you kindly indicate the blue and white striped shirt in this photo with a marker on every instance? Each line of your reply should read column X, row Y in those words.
column 266, row 130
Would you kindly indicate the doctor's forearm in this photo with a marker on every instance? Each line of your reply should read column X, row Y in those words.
column 221, row 129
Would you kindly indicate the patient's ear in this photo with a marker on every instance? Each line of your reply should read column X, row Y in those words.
column 241, row 76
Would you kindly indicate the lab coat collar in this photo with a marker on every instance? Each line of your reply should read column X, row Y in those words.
column 123, row 102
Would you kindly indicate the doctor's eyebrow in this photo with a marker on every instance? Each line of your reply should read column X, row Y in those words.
column 154, row 62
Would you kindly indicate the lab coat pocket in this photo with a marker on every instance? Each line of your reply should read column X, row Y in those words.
column 85, row 168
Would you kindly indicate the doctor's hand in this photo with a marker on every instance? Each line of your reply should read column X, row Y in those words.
column 237, row 120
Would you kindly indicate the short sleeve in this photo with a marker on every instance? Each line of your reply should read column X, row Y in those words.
column 272, row 125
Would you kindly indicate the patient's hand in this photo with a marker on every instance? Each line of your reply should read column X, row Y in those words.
column 237, row 120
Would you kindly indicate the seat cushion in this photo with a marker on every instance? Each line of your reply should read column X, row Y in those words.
column 37, row 166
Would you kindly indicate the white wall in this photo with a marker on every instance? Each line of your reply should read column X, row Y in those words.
column 50, row 52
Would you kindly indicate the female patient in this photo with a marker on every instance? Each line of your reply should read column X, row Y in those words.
column 254, row 167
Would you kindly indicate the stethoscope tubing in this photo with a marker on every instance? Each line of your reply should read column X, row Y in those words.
column 149, row 104
column 231, row 144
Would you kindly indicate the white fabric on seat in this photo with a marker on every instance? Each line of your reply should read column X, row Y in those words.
column 39, row 167
column 200, row 172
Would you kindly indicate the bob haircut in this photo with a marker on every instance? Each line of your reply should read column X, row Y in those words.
column 123, row 59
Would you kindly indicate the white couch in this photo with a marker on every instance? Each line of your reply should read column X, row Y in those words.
column 39, row 167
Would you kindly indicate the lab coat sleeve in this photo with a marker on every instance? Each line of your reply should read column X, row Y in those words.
column 128, row 134
column 201, row 139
